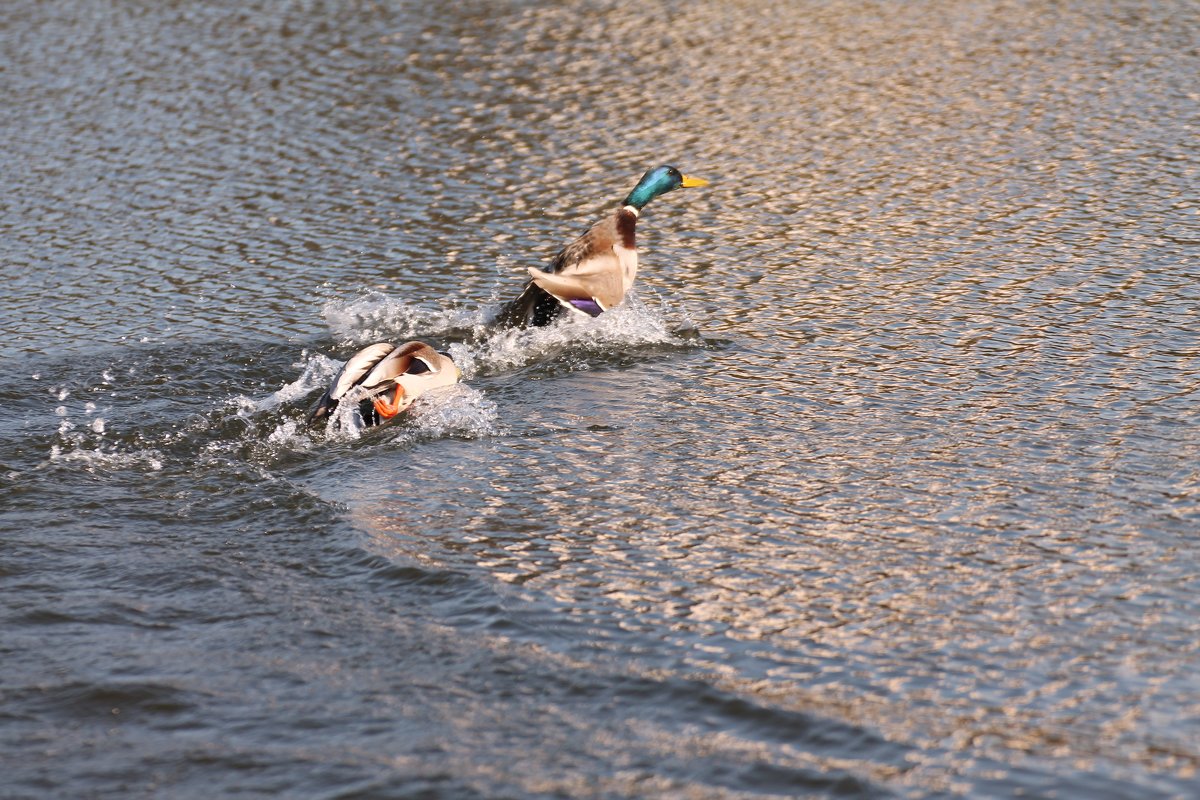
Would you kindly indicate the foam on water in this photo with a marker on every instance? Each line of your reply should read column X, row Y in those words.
column 459, row 410
column 101, row 460
column 632, row 324
column 480, row 349
column 317, row 371
column 376, row 317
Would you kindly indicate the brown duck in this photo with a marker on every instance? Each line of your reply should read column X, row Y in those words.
column 592, row 274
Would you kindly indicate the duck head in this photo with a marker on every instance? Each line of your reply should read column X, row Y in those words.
column 659, row 181
column 417, row 371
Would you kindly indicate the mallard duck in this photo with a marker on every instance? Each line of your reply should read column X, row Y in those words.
column 592, row 274
column 392, row 378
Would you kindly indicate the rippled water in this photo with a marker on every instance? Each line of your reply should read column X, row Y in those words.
column 885, row 482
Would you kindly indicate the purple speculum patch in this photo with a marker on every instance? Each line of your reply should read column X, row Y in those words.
column 590, row 307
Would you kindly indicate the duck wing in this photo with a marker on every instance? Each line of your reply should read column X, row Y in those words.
column 589, row 275
column 592, row 273
column 394, row 364
column 374, row 368
column 592, row 286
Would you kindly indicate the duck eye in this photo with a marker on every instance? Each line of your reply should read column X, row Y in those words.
column 417, row 367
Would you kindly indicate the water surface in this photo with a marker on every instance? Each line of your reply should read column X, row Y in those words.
column 883, row 484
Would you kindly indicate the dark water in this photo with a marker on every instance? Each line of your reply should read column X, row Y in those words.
column 885, row 484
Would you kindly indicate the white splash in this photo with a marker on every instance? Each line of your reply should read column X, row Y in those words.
column 317, row 371
column 477, row 349
column 375, row 317
column 291, row 435
column 346, row 422
column 97, row 460
column 632, row 323
column 459, row 411
column 85, row 445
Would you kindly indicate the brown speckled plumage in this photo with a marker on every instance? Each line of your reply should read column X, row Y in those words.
column 593, row 273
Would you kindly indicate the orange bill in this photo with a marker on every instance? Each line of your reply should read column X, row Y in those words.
column 388, row 409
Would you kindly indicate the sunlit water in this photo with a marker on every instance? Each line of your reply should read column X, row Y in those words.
column 884, row 483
